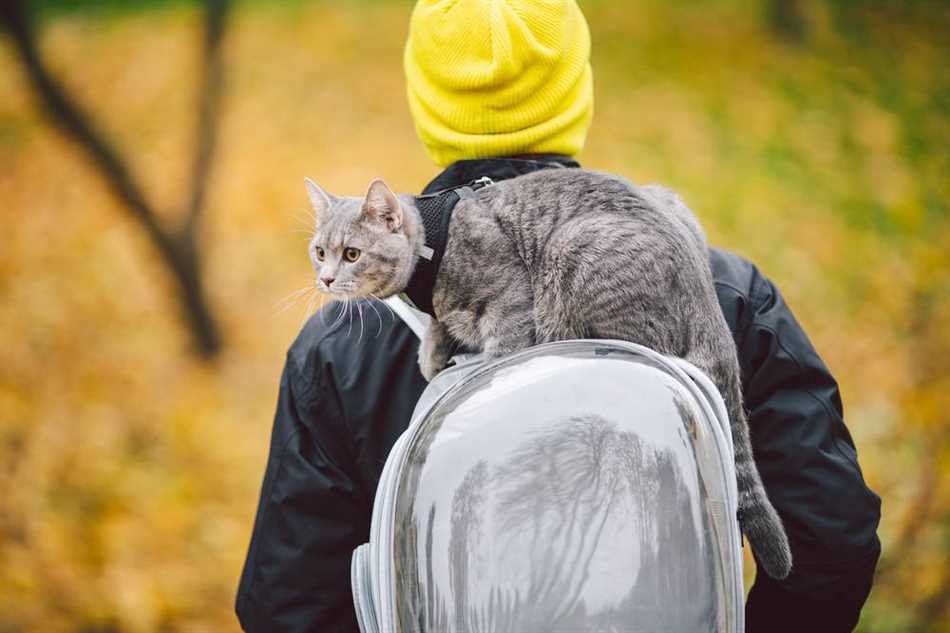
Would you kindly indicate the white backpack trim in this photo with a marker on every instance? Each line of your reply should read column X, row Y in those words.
column 417, row 320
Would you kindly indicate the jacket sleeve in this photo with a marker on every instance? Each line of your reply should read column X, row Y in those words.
column 810, row 470
column 311, row 514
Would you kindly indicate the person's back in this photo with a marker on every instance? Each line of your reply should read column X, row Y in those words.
column 500, row 89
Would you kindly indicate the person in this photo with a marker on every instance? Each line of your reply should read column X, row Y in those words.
column 499, row 88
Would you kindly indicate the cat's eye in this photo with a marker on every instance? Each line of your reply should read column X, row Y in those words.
column 351, row 254
column 319, row 253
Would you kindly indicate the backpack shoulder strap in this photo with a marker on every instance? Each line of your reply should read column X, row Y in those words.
column 417, row 320
column 435, row 210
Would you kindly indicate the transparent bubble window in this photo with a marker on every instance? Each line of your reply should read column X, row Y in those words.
column 578, row 486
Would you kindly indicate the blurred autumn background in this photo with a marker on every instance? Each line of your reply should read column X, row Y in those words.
column 154, row 232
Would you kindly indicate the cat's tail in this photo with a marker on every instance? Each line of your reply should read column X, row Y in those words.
column 762, row 525
column 757, row 517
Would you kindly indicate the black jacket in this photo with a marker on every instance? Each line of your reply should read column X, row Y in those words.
column 344, row 399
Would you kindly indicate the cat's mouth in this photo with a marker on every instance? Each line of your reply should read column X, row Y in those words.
column 345, row 290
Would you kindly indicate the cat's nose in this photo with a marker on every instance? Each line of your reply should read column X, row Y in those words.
column 327, row 280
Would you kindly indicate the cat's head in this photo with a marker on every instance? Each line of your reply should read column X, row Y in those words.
column 363, row 246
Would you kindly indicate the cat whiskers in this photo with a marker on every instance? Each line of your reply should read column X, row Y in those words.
column 379, row 318
column 359, row 308
column 309, row 310
column 324, row 295
column 346, row 303
column 339, row 317
column 309, row 219
column 349, row 313
column 308, row 233
column 388, row 307
column 309, row 292
column 292, row 298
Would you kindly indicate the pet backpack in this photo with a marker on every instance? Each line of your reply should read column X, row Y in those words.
column 576, row 486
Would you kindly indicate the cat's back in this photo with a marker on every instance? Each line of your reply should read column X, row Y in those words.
column 532, row 207
column 567, row 188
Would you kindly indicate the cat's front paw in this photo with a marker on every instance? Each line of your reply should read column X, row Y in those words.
column 431, row 364
column 435, row 351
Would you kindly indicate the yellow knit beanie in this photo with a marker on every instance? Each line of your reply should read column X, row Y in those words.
column 499, row 77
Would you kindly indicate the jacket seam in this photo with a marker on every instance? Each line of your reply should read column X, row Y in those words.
column 833, row 415
column 726, row 284
column 265, row 516
column 308, row 380
column 294, row 373
column 319, row 389
column 742, row 329
column 350, row 449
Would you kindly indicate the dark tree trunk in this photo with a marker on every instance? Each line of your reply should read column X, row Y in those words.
column 786, row 19
column 177, row 248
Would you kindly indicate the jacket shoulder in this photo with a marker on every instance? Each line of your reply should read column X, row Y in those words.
column 731, row 269
column 761, row 322
column 741, row 288
column 338, row 343
column 355, row 375
column 316, row 343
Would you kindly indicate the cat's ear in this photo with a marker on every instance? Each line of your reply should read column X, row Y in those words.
column 382, row 203
column 319, row 198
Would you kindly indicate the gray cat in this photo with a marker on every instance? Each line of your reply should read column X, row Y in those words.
column 555, row 254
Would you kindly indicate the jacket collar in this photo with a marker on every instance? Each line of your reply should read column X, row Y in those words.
column 463, row 172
